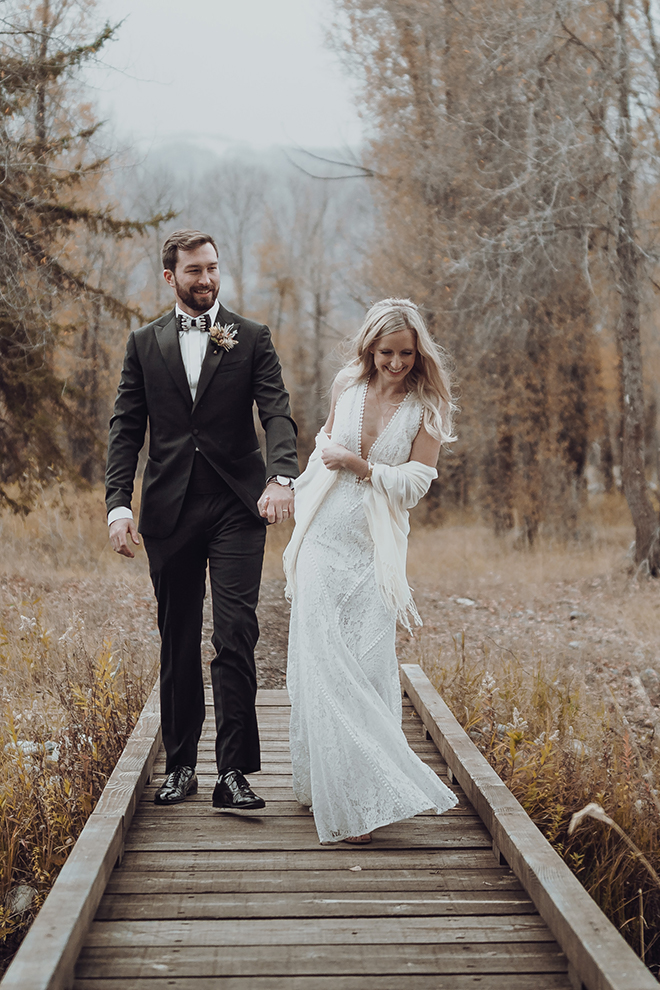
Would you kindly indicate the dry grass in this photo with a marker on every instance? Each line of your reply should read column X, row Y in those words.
column 555, row 731
column 75, row 668
column 66, row 538
column 466, row 552
column 277, row 538
column 558, row 745
column 70, row 609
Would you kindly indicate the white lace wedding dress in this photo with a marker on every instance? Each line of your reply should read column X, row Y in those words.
column 351, row 760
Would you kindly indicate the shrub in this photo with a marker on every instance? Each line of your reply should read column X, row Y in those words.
column 560, row 746
column 68, row 711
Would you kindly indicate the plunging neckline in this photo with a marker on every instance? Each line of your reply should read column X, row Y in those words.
column 385, row 428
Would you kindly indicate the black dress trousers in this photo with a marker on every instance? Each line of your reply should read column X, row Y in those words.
column 214, row 526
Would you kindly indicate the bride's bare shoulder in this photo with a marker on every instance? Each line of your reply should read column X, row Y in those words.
column 343, row 379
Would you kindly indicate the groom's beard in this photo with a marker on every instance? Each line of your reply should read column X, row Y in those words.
column 192, row 301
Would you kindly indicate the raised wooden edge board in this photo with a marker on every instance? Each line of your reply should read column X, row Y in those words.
column 48, row 954
column 599, row 957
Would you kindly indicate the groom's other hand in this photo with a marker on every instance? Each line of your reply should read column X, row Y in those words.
column 276, row 503
column 119, row 531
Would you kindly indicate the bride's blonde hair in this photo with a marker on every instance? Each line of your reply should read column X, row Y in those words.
column 429, row 379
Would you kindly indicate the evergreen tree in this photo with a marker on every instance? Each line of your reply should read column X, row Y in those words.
column 51, row 203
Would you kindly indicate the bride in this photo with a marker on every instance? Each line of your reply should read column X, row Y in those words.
column 374, row 459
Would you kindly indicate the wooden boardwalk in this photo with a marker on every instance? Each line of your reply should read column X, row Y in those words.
column 204, row 899
column 201, row 900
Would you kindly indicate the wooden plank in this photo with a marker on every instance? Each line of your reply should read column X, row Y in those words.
column 400, row 982
column 277, row 697
column 340, row 857
column 206, row 766
column 327, row 904
column 280, row 766
column 600, row 956
column 199, row 806
column 207, row 776
column 198, row 817
column 127, row 962
column 271, row 795
column 234, row 832
column 320, row 931
column 47, row 956
column 271, row 763
column 279, row 750
column 132, row 881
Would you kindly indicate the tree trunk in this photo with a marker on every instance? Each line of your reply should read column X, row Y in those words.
column 317, row 358
column 647, row 548
column 40, row 121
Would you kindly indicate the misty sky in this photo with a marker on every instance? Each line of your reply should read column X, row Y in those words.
column 252, row 71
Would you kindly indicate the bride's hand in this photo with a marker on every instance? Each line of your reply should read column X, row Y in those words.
column 335, row 457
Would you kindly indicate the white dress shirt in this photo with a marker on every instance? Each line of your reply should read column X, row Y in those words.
column 193, row 344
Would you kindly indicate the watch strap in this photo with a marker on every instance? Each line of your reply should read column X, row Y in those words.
column 280, row 479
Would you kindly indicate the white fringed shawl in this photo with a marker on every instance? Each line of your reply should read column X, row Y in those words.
column 392, row 491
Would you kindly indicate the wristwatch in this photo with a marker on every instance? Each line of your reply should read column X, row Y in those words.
column 281, row 479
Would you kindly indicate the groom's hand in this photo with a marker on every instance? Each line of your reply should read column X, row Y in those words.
column 119, row 531
column 276, row 503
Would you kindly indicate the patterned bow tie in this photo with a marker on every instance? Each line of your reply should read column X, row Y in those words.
column 194, row 322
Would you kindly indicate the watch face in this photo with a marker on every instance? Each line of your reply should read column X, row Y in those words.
column 281, row 479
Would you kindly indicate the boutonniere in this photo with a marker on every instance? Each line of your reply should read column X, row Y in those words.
column 223, row 336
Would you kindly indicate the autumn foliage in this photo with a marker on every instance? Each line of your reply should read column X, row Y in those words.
column 510, row 204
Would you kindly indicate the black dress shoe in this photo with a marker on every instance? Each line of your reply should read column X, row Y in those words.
column 181, row 782
column 233, row 793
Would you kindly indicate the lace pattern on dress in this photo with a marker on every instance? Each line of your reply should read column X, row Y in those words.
column 351, row 760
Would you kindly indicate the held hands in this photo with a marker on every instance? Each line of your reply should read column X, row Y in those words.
column 118, row 532
column 276, row 503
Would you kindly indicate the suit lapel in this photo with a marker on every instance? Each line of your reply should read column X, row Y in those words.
column 212, row 358
column 167, row 337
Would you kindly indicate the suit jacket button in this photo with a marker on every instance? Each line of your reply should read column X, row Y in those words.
column 195, row 432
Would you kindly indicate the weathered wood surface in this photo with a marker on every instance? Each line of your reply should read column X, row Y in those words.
column 209, row 900
column 599, row 956
column 384, row 982
column 206, row 899
column 184, row 962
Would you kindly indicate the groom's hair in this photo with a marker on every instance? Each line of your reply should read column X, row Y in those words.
column 185, row 240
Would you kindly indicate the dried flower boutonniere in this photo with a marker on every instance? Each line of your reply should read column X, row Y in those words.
column 223, row 336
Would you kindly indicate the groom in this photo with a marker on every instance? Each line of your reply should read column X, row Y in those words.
column 193, row 376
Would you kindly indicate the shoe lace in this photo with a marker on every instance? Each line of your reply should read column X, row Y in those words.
column 238, row 780
column 177, row 776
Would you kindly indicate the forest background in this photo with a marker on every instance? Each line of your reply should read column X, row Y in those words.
column 508, row 183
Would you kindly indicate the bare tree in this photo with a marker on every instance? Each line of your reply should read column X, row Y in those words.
column 506, row 175
column 230, row 203
column 307, row 260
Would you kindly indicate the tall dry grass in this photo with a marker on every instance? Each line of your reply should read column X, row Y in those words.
column 76, row 664
column 559, row 746
column 560, row 741
column 463, row 551
column 78, row 652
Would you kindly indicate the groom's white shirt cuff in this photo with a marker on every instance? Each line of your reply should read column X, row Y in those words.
column 121, row 512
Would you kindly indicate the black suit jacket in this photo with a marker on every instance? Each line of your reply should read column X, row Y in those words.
column 154, row 388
